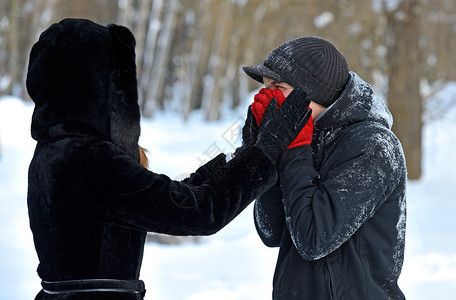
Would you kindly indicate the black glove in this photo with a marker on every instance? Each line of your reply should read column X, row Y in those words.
column 250, row 129
column 279, row 128
column 249, row 132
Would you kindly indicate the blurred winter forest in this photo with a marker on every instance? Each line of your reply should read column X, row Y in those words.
column 190, row 52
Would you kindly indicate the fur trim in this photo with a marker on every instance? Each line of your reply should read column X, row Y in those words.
column 123, row 92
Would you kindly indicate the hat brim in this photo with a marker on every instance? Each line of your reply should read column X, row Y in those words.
column 258, row 72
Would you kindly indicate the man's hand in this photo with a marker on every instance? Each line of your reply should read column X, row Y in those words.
column 255, row 114
column 279, row 128
column 261, row 101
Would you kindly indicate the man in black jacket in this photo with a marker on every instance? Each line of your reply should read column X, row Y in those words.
column 338, row 210
column 90, row 201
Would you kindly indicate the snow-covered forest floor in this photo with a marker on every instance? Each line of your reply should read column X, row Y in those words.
column 232, row 264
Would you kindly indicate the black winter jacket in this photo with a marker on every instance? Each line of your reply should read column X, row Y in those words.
column 339, row 212
column 90, row 202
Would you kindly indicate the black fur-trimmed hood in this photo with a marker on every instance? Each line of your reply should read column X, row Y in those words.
column 84, row 74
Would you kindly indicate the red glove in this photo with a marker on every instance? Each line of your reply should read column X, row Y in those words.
column 305, row 135
column 261, row 101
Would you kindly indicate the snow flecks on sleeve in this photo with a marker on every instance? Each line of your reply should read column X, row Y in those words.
column 388, row 148
column 398, row 251
column 262, row 220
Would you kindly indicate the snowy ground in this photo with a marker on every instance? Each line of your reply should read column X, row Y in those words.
column 232, row 264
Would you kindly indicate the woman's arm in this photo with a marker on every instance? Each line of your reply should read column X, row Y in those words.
column 124, row 191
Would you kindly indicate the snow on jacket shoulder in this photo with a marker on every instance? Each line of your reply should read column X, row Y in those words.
column 344, row 205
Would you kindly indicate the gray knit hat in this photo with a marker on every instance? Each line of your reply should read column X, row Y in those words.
column 309, row 63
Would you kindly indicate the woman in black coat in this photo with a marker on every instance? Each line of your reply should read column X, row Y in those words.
column 90, row 202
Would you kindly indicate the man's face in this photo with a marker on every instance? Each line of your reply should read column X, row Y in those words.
column 284, row 87
column 287, row 89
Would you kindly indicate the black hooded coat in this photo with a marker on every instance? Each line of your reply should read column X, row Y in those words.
column 90, row 202
column 339, row 212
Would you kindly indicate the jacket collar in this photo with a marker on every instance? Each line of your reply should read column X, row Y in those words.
column 357, row 103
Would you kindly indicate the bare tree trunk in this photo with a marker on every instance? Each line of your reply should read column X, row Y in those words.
column 156, row 86
column 126, row 13
column 200, row 53
column 149, row 50
column 194, row 59
column 43, row 12
column 212, row 96
column 13, row 49
column 141, row 32
column 404, row 81
column 231, row 86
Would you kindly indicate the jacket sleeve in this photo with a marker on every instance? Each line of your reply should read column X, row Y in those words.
column 269, row 216
column 126, row 193
column 323, row 213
